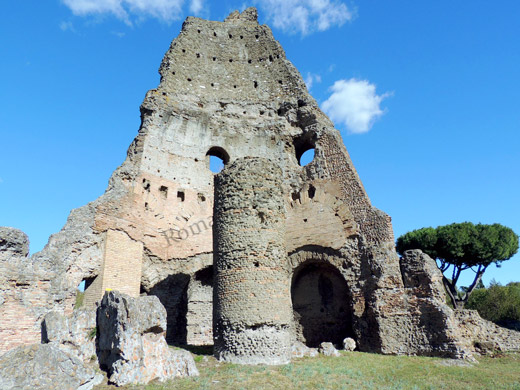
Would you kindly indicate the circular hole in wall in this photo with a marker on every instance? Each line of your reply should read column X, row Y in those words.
column 217, row 158
column 307, row 157
column 305, row 148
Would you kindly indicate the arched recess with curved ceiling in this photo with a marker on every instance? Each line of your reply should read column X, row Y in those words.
column 321, row 304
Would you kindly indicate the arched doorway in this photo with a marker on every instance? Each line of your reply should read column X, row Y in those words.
column 321, row 304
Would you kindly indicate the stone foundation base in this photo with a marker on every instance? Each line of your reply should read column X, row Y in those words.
column 255, row 346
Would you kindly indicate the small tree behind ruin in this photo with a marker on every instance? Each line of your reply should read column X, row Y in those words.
column 462, row 246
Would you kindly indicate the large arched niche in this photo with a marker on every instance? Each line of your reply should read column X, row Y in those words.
column 321, row 303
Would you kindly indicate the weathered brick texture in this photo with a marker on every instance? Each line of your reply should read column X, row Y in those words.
column 121, row 270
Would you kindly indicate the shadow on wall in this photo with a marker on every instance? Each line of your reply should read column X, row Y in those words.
column 205, row 276
column 320, row 297
column 200, row 308
column 321, row 304
column 173, row 294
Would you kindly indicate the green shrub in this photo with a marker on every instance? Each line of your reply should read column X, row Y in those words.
column 500, row 304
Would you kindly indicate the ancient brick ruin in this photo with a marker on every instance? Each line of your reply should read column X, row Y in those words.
column 296, row 253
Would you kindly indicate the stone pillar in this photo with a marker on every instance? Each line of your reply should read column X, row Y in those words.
column 252, row 315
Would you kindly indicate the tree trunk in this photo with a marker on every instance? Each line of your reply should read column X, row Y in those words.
column 459, row 302
column 452, row 293
column 478, row 277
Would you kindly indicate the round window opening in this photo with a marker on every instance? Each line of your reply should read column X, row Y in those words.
column 217, row 157
column 307, row 157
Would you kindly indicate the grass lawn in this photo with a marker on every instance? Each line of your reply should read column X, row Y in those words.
column 353, row 370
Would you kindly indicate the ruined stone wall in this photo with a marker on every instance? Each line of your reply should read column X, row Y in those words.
column 387, row 305
column 252, row 313
column 372, row 285
column 481, row 335
column 227, row 90
column 18, row 320
column 344, row 300
column 431, row 326
column 24, row 292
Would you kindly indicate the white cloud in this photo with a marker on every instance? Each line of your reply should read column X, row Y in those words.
column 196, row 6
column 296, row 16
column 165, row 10
column 354, row 103
column 306, row 16
column 64, row 26
column 311, row 78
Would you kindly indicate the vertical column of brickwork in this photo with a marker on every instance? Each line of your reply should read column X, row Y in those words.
column 252, row 315
column 121, row 270
column 122, row 264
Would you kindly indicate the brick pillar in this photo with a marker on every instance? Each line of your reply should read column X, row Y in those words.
column 121, row 269
column 252, row 316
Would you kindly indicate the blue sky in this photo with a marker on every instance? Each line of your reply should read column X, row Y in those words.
column 425, row 93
